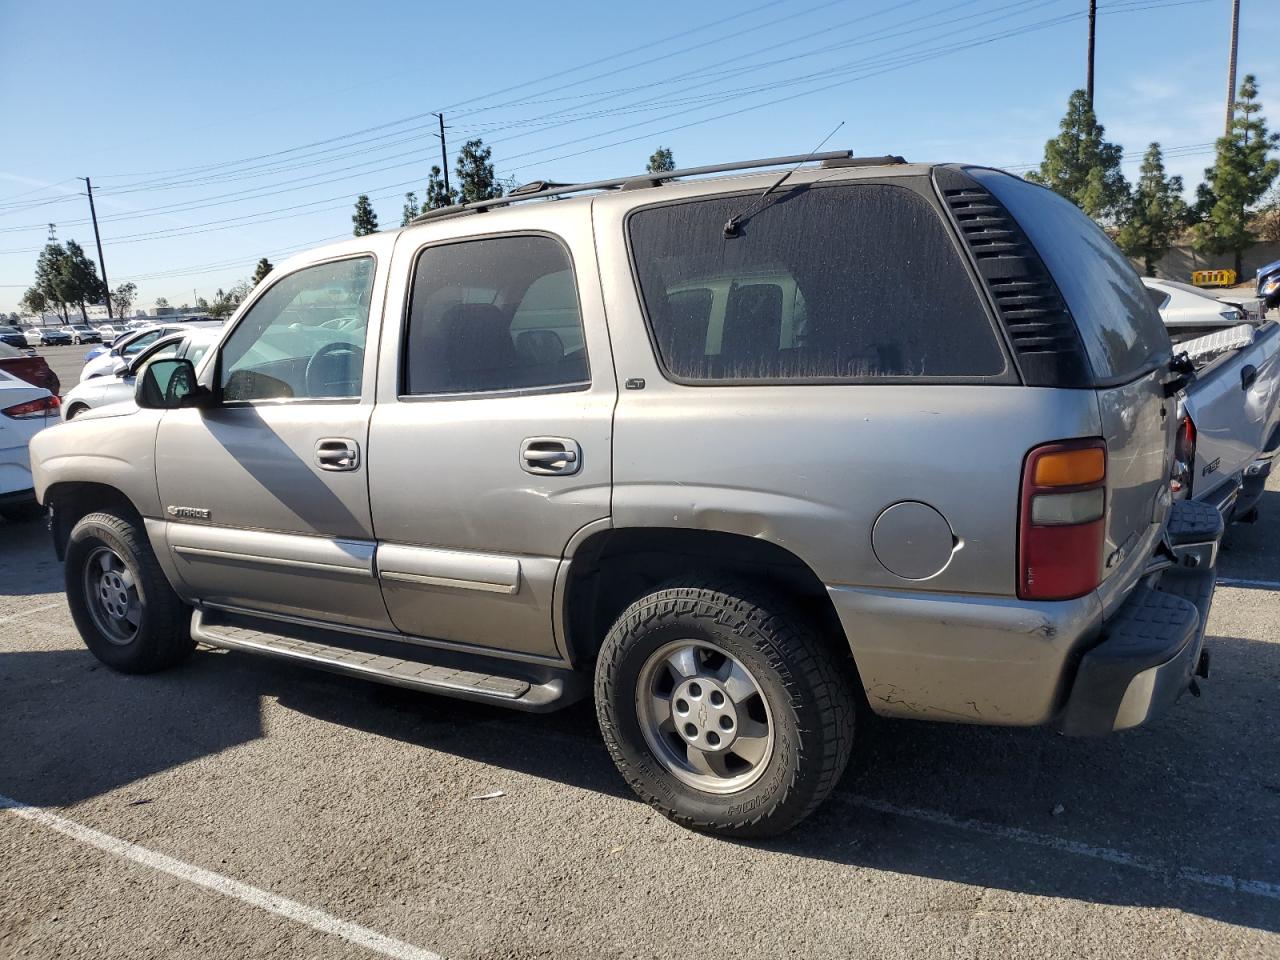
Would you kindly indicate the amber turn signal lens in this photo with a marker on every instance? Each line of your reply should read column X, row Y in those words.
column 1071, row 468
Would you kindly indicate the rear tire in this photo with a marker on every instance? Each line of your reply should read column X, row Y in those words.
column 126, row 611
column 722, row 709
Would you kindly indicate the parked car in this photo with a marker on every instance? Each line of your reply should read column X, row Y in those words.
column 82, row 333
column 13, row 337
column 26, row 365
column 117, row 388
column 1190, row 312
column 1268, row 284
column 55, row 337
column 32, row 333
column 1229, row 419
column 103, row 362
column 524, row 458
column 107, row 332
column 25, row 409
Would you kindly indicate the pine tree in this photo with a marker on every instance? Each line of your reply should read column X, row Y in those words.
column 437, row 196
column 50, row 282
column 1240, row 176
column 410, row 209
column 364, row 221
column 662, row 161
column 476, row 180
column 1081, row 165
column 1155, row 215
column 260, row 272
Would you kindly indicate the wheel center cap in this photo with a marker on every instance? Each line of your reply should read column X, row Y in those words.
column 704, row 715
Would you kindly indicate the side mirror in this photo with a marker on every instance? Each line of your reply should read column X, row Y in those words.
column 169, row 385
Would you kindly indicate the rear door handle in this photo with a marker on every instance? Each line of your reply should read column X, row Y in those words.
column 337, row 453
column 1248, row 376
column 546, row 456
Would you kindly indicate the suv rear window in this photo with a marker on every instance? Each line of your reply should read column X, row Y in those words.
column 842, row 282
column 1120, row 326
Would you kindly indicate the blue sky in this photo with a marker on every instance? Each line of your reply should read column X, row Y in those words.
column 219, row 133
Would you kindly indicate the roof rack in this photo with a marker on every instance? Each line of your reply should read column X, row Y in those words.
column 543, row 189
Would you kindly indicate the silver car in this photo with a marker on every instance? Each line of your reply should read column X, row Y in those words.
column 118, row 386
column 739, row 457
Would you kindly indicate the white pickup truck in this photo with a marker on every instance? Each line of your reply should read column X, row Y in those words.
column 1229, row 426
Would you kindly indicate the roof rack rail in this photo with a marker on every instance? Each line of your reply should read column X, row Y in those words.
column 542, row 189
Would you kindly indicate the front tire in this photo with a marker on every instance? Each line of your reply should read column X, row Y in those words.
column 722, row 709
column 126, row 611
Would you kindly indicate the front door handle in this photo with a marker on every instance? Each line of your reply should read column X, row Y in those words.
column 337, row 453
column 545, row 456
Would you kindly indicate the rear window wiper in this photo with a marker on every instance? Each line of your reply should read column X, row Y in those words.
column 733, row 223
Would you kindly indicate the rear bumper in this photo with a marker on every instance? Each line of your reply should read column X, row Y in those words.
column 1151, row 647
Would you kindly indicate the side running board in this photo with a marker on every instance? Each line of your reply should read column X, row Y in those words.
column 399, row 663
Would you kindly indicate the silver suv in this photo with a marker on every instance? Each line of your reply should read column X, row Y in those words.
column 741, row 457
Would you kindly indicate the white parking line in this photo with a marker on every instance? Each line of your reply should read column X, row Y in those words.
column 32, row 611
column 1257, row 584
column 1259, row 888
column 281, row 906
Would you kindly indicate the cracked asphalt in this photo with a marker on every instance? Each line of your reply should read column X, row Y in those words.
column 360, row 801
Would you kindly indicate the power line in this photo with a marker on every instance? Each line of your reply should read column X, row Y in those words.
column 420, row 116
column 886, row 62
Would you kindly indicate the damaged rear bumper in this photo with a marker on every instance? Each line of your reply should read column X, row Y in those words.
column 1151, row 648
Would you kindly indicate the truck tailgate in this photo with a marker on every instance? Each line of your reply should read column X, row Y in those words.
column 1234, row 403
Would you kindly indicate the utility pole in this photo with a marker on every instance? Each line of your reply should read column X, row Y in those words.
column 102, row 264
column 1231, row 64
column 1093, row 23
column 444, row 154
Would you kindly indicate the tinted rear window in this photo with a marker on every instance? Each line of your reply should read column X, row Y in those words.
column 838, row 282
column 1120, row 326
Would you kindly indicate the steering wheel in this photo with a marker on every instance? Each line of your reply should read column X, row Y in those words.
column 340, row 323
column 330, row 371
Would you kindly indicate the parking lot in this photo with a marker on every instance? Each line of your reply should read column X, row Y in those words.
column 239, row 807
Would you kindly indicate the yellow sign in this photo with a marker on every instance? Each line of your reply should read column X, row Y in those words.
column 1214, row 278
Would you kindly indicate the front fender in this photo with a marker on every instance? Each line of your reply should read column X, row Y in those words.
column 113, row 451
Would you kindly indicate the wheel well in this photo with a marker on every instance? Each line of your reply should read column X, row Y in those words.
column 71, row 501
column 614, row 567
column 75, row 409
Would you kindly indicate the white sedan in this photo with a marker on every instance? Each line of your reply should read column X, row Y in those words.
column 117, row 386
column 25, row 410
column 1188, row 311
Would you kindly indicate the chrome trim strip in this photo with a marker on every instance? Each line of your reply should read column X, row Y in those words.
column 184, row 550
column 437, row 567
column 484, row 585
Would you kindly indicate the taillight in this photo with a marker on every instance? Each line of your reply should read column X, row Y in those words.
column 1184, row 458
column 42, row 407
column 1061, row 521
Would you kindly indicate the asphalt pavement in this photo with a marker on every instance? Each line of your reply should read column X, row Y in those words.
column 238, row 807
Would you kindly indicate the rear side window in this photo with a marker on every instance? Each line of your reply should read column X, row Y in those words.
column 493, row 315
column 1120, row 326
column 832, row 283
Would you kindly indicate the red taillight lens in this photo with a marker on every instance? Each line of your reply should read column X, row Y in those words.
column 1062, row 520
column 33, row 409
column 1184, row 458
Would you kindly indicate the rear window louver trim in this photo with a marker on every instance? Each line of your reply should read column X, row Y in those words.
column 1030, row 307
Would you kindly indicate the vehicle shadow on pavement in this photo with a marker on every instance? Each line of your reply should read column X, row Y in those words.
column 1198, row 790
column 1252, row 550
column 1194, row 796
column 19, row 575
